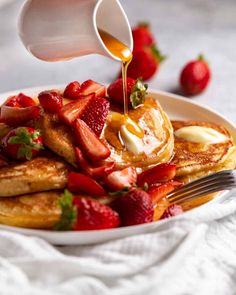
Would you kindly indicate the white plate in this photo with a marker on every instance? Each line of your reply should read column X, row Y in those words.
column 177, row 108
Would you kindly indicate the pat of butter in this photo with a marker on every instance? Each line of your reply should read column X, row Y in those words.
column 200, row 134
column 133, row 143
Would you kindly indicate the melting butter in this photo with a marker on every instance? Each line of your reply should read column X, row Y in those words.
column 133, row 143
column 200, row 134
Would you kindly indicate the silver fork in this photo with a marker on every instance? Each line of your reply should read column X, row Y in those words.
column 216, row 182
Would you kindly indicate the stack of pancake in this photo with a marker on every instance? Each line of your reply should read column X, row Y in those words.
column 29, row 191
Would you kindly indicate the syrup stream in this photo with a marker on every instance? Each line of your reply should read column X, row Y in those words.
column 120, row 50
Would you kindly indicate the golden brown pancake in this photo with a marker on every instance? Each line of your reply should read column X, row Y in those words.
column 158, row 138
column 194, row 160
column 40, row 174
column 39, row 210
column 58, row 137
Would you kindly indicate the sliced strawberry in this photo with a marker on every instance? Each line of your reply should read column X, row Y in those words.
column 72, row 90
column 94, row 172
column 92, row 87
column 91, row 145
column 69, row 112
column 14, row 116
column 160, row 173
column 50, row 100
column 172, row 210
column 92, row 215
column 95, row 114
column 157, row 192
column 134, row 208
column 25, row 101
column 118, row 180
column 80, row 183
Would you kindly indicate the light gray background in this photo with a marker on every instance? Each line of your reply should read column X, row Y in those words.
column 183, row 28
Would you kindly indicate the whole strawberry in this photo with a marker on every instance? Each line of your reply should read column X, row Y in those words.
column 50, row 100
column 80, row 213
column 136, row 207
column 142, row 36
column 195, row 76
column 136, row 91
column 22, row 143
column 92, row 215
column 145, row 63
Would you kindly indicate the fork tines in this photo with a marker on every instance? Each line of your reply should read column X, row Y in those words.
column 216, row 182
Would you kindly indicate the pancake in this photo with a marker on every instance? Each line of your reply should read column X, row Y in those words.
column 39, row 210
column 158, row 140
column 194, row 160
column 40, row 174
column 58, row 137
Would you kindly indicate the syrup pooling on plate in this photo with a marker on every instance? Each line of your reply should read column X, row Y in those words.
column 120, row 50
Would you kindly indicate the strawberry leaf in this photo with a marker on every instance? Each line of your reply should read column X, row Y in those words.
column 138, row 93
column 157, row 53
column 121, row 192
column 144, row 24
column 145, row 187
column 201, row 57
column 24, row 152
column 26, row 142
column 68, row 212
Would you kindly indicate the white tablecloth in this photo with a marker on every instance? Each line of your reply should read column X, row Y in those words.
column 193, row 256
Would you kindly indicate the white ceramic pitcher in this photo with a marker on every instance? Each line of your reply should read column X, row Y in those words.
column 63, row 29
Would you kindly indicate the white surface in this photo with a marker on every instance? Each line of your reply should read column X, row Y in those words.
column 187, row 111
column 186, row 256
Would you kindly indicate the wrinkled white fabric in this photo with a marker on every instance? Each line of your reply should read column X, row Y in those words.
column 192, row 254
